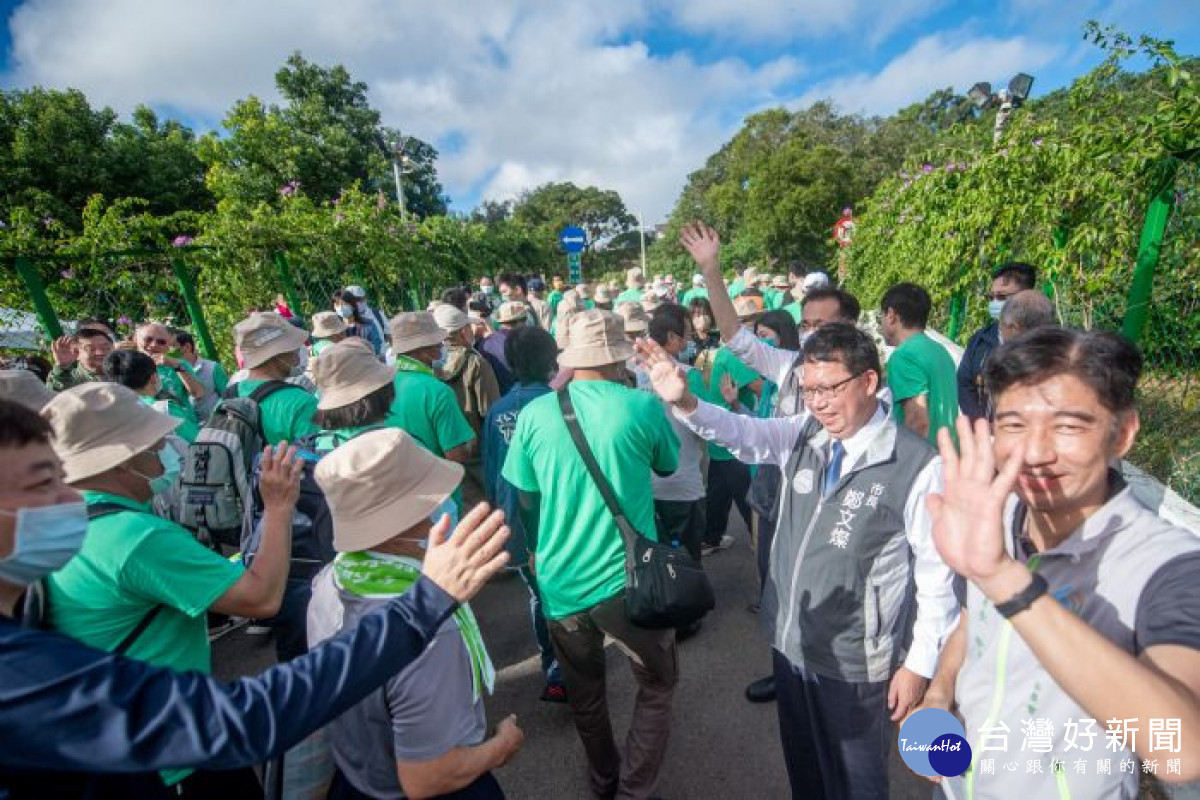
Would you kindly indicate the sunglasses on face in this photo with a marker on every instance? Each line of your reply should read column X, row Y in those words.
column 154, row 340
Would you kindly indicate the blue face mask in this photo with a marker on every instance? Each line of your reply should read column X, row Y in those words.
column 994, row 308
column 172, row 467
column 767, row 342
column 45, row 539
column 440, row 361
column 447, row 507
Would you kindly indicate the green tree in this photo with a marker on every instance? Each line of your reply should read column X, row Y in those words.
column 323, row 140
column 157, row 162
column 553, row 206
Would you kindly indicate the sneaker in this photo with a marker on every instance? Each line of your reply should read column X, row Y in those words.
column 554, row 693
column 726, row 542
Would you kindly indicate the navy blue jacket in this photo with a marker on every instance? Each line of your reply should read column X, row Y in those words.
column 65, row 706
column 971, row 397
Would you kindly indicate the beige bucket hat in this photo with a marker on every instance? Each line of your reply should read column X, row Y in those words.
column 413, row 330
column 264, row 335
column 602, row 294
column 594, row 338
column 512, row 311
column 584, row 291
column 347, row 372
column 780, row 282
column 650, row 301
column 634, row 277
column 635, row 317
column 326, row 324
column 98, row 426
column 450, row 319
column 380, row 484
column 22, row 386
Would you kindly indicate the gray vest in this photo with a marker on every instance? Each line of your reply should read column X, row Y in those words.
column 839, row 591
column 1098, row 573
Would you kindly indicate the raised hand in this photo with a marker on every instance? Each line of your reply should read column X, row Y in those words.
column 63, row 350
column 729, row 391
column 968, row 526
column 704, row 246
column 463, row 565
column 279, row 478
column 667, row 377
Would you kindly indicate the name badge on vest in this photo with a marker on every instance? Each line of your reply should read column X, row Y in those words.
column 803, row 481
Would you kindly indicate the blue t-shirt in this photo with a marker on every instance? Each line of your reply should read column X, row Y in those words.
column 497, row 432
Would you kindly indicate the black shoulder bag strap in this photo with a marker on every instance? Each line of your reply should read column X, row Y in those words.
column 589, row 460
column 104, row 509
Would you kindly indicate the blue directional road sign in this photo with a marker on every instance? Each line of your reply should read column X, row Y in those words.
column 573, row 239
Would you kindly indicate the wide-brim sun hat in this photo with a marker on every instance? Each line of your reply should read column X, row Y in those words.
column 380, row 484
column 512, row 311
column 780, row 282
column 264, row 335
column 747, row 307
column 593, row 338
column 651, row 301
column 98, row 426
column 635, row 317
column 450, row 318
column 326, row 324
column 22, row 386
column 347, row 372
column 413, row 330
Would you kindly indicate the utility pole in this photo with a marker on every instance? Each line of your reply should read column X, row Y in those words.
column 642, row 234
column 399, row 155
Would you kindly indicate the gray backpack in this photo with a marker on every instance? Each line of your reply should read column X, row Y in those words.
column 216, row 489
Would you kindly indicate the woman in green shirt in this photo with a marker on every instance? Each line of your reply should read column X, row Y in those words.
column 356, row 391
column 137, row 371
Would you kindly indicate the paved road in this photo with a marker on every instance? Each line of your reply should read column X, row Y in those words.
column 721, row 745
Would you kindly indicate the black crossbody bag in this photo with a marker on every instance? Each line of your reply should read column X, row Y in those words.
column 664, row 586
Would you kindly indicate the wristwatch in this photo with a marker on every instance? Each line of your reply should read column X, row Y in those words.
column 1024, row 598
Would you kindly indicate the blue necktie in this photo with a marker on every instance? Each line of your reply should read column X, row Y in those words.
column 834, row 470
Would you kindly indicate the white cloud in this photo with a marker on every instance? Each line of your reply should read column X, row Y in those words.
column 934, row 62
column 533, row 91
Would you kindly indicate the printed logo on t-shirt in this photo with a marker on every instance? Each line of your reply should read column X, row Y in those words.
column 802, row 483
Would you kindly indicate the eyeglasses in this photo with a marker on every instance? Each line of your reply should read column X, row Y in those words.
column 811, row 393
column 154, row 340
column 1000, row 298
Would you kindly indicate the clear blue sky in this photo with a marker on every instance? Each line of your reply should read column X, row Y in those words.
column 623, row 94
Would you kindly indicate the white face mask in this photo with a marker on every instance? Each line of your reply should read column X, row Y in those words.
column 301, row 364
column 448, row 507
column 440, row 361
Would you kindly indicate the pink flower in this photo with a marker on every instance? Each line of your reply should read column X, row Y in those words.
column 1037, row 142
column 338, row 217
column 289, row 188
column 68, row 273
column 181, row 241
column 927, row 168
column 126, row 321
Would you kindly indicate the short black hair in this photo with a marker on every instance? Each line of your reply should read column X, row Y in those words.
column 94, row 322
column 479, row 304
column 21, row 426
column 848, row 305
column 910, row 302
column 184, row 339
column 531, row 352
column 845, row 344
column 457, row 297
column 784, row 326
column 667, row 319
column 131, row 368
column 702, row 305
column 1108, row 363
column 751, row 291
column 1017, row 271
column 91, row 333
column 368, row 410
column 514, row 280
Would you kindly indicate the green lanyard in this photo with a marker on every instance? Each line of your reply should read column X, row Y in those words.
column 369, row 574
column 410, row 364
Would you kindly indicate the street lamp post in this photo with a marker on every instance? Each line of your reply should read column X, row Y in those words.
column 642, row 236
column 398, row 172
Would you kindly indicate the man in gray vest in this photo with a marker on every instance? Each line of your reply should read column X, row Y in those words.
column 857, row 602
column 1079, row 652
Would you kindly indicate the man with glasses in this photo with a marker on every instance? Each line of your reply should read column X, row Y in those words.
column 1007, row 280
column 79, row 358
column 175, row 374
column 857, row 602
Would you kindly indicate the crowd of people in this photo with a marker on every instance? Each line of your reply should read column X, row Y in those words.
column 932, row 528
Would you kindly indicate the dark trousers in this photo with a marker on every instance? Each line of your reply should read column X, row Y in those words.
column 485, row 787
column 290, row 625
column 766, row 536
column 579, row 640
column 226, row 784
column 836, row 735
column 681, row 522
column 541, row 632
column 728, row 482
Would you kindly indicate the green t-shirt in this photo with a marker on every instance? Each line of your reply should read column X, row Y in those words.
column 773, row 299
column 189, row 426
column 172, row 384
column 742, row 375
column 629, row 296
column 319, row 346
column 329, row 440
column 220, row 379
column 737, row 287
column 131, row 562
column 795, row 310
column 692, row 294
column 553, row 299
column 428, row 411
column 922, row 366
column 287, row 415
column 580, row 554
